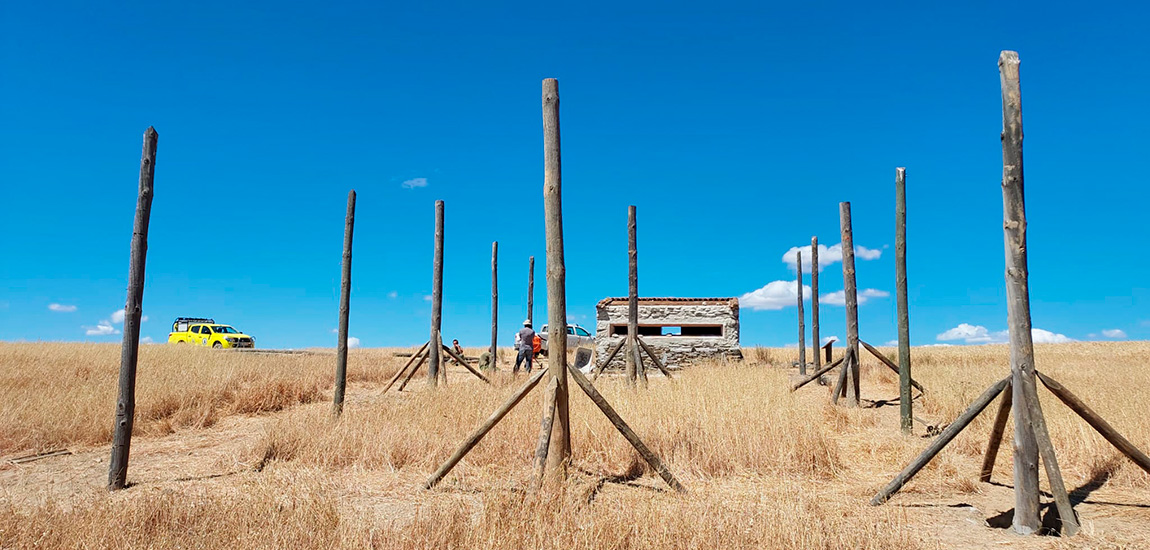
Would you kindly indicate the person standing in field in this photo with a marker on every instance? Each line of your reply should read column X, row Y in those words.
column 526, row 339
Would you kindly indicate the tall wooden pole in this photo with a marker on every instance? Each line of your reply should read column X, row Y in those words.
column 130, row 349
column 531, row 291
column 560, row 449
column 494, row 300
column 906, row 405
column 435, row 352
column 815, row 300
column 1026, row 502
column 851, row 292
column 633, row 365
column 344, row 304
column 802, row 320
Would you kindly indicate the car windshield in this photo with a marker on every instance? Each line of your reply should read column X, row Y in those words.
column 224, row 329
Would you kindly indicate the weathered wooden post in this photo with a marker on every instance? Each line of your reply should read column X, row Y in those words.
column 130, row 348
column 815, row 301
column 906, row 405
column 494, row 301
column 344, row 304
column 560, row 449
column 632, row 357
column 531, row 291
column 802, row 319
column 435, row 351
column 850, row 290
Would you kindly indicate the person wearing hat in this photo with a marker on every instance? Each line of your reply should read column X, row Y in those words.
column 526, row 339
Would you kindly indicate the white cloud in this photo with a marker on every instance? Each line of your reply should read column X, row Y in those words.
column 839, row 297
column 61, row 308
column 335, row 331
column 891, row 343
column 146, row 340
column 827, row 339
column 414, row 182
column 393, row 295
column 103, row 328
column 1040, row 336
column 427, row 298
column 1114, row 333
column 978, row 334
column 352, row 342
column 774, row 296
column 827, row 255
column 118, row 316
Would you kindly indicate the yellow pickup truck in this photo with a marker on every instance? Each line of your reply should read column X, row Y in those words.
column 208, row 333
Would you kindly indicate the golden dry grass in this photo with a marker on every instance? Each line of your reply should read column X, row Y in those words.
column 766, row 468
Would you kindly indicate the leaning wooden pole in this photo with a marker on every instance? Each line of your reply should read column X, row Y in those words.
column 560, row 449
column 130, row 349
column 947, row 435
column 906, row 404
column 996, row 431
column 852, row 307
column 1026, row 504
column 418, row 355
column 802, row 318
column 632, row 356
column 1097, row 422
column 344, row 305
column 494, row 302
column 435, row 353
column 815, row 301
column 531, row 291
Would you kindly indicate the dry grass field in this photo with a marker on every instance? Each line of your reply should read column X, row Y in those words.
column 239, row 450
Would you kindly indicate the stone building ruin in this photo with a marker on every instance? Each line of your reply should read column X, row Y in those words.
column 678, row 330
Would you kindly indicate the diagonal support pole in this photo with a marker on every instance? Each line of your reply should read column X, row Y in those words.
column 465, row 364
column 414, row 370
column 603, row 366
column 1101, row 426
column 816, row 375
column 1050, row 462
column 890, row 365
column 996, row 435
column 419, row 353
column 482, row 430
column 652, row 460
column 658, row 364
column 939, row 442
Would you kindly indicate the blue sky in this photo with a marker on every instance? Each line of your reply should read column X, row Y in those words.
column 735, row 128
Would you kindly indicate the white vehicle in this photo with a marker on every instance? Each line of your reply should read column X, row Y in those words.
column 577, row 336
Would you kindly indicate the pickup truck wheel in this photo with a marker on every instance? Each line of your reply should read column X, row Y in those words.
column 181, row 342
column 218, row 345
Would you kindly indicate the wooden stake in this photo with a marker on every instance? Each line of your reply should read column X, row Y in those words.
column 560, row 452
column 632, row 296
column 434, row 358
column 852, row 307
column 1026, row 504
column 1097, row 422
column 1050, row 462
column 882, row 358
column 802, row 318
column 482, row 430
column 466, row 364
column 531, row 291
column 816, row 374
column 905, row 403
column 611, row 355
column 130, row 348
column 494, row 302
column 344, row 305
column 815, row 302
column 996, row 435
column 840, row 389
column 418, row 354
column 658, row 364
column 414, row 370
column 828, row 348
column 939, row 442
column 626, row 430
column 640, row 368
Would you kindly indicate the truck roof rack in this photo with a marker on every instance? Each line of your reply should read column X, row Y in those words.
column 194, row 320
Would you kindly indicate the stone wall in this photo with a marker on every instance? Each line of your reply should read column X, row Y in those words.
column 674, row 351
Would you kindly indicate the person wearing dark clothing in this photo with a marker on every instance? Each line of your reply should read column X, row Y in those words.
column 526, row 347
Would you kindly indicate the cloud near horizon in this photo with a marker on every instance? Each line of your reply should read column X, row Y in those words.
column 62, row 308
column 827, row 255
column 978, row 334
column 1114, row 333
column 103, row 328
column 774, row 296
